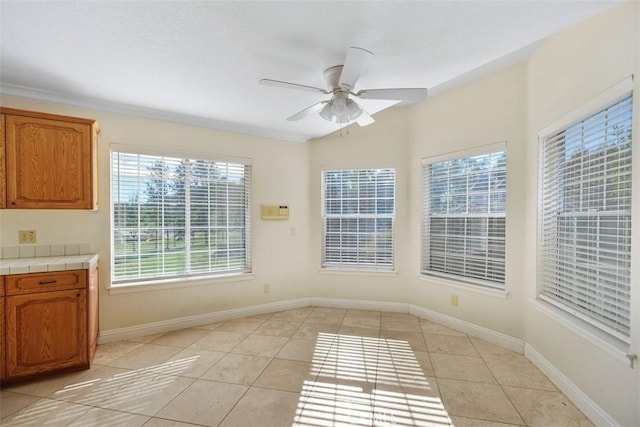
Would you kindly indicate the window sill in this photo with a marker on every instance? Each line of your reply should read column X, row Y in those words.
column 357, row 272
column 182, row 282
column 477, row 289
column 607, row 343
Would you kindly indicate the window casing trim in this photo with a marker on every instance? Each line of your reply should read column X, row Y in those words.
column 464, row 281
column 193, row 278
column 461, row 280
column 610, row 96
column 614, row 347
column 355, row 268
column 344, row 271
column 174, row 283
column 468, row 152
column 153, row 151
column 457, row 283
column 604, row 100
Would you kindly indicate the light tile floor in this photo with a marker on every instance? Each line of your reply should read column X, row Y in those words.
column 308, row 367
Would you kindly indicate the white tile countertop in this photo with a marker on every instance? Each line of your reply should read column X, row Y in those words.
column 47, row 263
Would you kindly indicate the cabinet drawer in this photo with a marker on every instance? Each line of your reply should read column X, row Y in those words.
column 18, row 284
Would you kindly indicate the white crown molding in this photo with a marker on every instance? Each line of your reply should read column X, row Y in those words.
column 34, row 94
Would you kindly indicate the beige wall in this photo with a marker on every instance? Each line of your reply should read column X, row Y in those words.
column 484, row 112
column 279, row 175
column 565, row 72
column 381, row 144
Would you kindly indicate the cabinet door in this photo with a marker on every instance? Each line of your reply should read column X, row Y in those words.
column 2, row 341
column 3, row 170
column 49, row 163
column 45, row 332
column 3, row 344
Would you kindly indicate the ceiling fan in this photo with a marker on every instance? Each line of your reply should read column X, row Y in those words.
column 341, row 81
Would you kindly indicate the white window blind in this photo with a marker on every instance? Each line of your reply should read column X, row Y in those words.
column 357, row 217
column 584, row 243
column 175, row 217
column 463, row 231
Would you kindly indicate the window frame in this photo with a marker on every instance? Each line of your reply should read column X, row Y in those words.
column 357, row 266
column 194, row 277
column 598, row 104
column 425, row 272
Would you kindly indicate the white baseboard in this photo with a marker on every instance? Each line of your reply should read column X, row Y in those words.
column 359, row 304
column 198, row 320
column 589, row 408
column 489, row 335
column 486, row 334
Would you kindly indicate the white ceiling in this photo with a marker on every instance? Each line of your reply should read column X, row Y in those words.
column 199, row 62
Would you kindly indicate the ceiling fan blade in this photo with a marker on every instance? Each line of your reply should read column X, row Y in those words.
column 400, row 94
column 278, row 83
column 357, row 61
column 309, row 110
column 365, row 119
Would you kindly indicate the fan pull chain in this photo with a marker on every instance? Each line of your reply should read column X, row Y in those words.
column 342, row 126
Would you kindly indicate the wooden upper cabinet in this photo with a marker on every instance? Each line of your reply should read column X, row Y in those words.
column 50, row 161
column 3, row 167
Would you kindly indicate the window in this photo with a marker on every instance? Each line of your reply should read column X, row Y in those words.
column 584, row 244
column 463, row 231
column 357, row 218
column 175, row 217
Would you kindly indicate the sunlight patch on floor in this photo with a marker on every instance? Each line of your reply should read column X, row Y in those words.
column 362, row 381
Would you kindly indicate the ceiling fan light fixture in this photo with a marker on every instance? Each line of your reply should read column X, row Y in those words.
column 340, row 110
column 339, row 103
column 327, row 111
column 353, row 110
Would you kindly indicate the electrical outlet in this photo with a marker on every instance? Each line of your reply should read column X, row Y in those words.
column 266, row 288
column 454, row 299
column 26, row 236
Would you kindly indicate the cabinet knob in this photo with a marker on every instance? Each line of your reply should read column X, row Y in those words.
column 13, row 202
column 78, row 294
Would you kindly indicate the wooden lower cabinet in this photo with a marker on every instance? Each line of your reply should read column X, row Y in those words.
column 2, row 341
column 49, row 331
column 46, row 331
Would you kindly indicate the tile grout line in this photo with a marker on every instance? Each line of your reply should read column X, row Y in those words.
column 250, row 385
column 499, row 384
column 304, row 403
column 256, row 379
column 199, row 378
